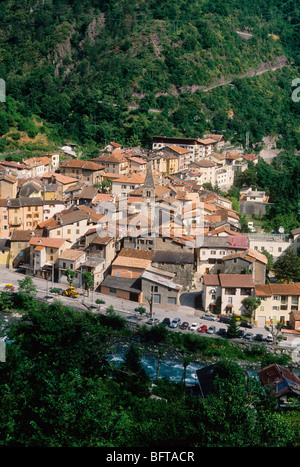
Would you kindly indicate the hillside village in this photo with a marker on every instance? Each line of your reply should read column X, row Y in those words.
column 143, row 226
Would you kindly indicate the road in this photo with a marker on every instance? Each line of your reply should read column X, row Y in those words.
column 185, row 311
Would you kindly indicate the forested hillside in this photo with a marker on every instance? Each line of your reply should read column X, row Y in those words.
column 92, row 71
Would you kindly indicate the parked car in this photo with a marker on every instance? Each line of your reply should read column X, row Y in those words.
column 175, row 323
column 224, row 319
column 202, row 328
column 248, row 335
column 245, row 324
column 211, row 330
column 209, row 317
column 259, row 337
column 241, row 333
column 222, row 332
column 152, row 321
column 269, row 338
column 194, row 326
column 166, row 322
column 184, row 325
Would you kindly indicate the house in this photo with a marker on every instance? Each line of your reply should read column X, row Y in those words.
column 224, row 293
column 37, row 166
column 8, row 186
column 199, row 148
column 52, row 207
column 160, row 286
column 71, row 259
column 111, row 146
column 294, row 320
column 136, row 164
column 85, row 171
column 31, row 188
column 131, row 263
column 183, row 155
column 213, row 249
column 4, row 223
column 180, row 263
column 124, row 288
column 20, row 248
column 274, row 244
column 16, row 169
column 248, row 262
column 113, row 162
column 285, row 384
column 220, row 140
column 44, row 253
column 24, row 213
column 191, row 144
column 124, row 185
column 253, row 202
column 5, row 252
column 58, row 184
column 100, row 245
column 277, row 302
column 68, row 224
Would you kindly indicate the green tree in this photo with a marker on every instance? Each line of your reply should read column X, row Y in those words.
column 88, row 281
column 287, row 267
column 233, row 329
column 70, row 275
column 251, row 304
column 27, row 286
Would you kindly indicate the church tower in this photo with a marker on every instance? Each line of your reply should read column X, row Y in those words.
column 149, row 186
column 149, row 196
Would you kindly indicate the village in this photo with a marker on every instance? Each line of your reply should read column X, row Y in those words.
column 139, row 225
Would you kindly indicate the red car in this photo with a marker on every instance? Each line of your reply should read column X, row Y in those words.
column 202, row 328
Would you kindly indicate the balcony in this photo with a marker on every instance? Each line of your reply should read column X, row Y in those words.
column 16, row 222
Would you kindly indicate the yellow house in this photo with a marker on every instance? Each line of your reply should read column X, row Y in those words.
column 4, row 252
column 169, row 164
column 277, row 302
column 24, row 213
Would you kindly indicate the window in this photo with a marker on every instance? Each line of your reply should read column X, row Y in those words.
column 245, row 291
column 58, row 232
column 230, row 291
column 68, row 231
column 154, row 288
column 51, row 258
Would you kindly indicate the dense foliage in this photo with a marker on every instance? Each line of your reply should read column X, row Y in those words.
column 93, row 71
column 59, row 388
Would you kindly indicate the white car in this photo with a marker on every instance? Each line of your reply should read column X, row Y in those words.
column 209, row 316
column 269, row 338
column 194, row 326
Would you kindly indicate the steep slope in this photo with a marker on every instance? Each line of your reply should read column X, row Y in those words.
column 101, row 70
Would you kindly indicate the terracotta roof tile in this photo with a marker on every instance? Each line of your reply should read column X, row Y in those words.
column 48, row 242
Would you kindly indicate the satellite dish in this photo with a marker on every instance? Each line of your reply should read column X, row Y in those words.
column 281, row 230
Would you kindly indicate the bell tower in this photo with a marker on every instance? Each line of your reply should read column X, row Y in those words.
column 149, row 196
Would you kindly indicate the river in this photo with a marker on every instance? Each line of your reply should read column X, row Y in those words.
column 172, row 369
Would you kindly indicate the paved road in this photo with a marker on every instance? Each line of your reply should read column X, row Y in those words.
column 185, row 311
